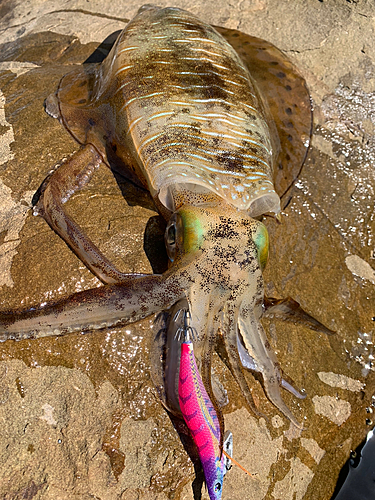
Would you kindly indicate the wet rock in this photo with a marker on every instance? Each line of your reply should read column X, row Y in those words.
column 80, row 416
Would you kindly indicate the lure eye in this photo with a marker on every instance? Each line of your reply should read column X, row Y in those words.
column 217, row 487
column 170, row 238
column 260, row 238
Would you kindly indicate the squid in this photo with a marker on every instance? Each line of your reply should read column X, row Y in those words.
column 216, row 125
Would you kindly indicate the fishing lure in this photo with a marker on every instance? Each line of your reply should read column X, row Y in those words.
column 199, row 413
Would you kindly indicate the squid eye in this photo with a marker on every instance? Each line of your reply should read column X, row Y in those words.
column 184, row 233
column 170, row 238
column 260, row 238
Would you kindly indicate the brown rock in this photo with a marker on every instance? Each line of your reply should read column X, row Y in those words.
column 79, row 415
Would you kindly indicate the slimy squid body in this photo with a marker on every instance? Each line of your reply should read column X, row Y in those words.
column 215, row 124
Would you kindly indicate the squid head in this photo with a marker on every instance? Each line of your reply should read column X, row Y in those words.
column 217, row 257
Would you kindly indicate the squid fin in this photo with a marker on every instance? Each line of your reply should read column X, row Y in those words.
column 286, row 100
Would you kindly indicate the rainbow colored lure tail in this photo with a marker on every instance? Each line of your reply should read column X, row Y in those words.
column 200, row 416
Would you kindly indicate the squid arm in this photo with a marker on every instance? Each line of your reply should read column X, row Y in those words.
column 256, row 343
column 249, row 363
column 289, row 310
column 228, row 351
column 51, row 197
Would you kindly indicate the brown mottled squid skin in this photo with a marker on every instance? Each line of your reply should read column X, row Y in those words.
column 174, row 106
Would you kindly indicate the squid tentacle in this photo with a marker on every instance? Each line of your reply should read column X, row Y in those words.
column 106, row 306
column 55, row 191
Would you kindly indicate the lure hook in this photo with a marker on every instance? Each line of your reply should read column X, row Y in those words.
column 185, row 333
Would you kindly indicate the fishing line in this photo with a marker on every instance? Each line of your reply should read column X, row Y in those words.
column 238, row 465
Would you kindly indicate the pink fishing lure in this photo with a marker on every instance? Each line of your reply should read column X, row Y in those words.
column 201, row 419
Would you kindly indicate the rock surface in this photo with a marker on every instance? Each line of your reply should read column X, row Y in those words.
column 79, row 415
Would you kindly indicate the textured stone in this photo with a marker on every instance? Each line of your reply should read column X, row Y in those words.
column 77, row 412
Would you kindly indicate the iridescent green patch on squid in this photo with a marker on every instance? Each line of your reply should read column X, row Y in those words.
column 184, row 233
column 194, row 230
column 261, row 241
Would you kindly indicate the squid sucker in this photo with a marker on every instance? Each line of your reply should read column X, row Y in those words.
column 216, row 125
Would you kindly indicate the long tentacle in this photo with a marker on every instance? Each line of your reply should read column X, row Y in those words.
column 98, row 308
column 55, row 192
